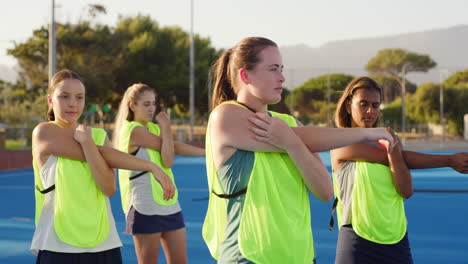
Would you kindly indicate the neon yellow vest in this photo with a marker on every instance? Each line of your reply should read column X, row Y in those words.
column 80, row 208
column 275, row 224
column 377, row 209
column 155, row 157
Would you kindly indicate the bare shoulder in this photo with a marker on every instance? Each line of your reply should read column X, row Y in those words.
column 229, row 114
column 45, row 130
column 139, row 130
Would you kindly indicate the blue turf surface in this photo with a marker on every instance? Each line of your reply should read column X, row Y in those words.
column 437, row 221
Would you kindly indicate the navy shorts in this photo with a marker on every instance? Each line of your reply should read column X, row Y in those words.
column 353, row 249
column 147, row 224
column 111, row 256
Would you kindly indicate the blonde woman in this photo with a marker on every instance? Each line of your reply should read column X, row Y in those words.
column 151, row 220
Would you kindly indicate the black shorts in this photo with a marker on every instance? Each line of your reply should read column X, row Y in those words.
column 147, row 224
column 353, row 249
column 111, row 256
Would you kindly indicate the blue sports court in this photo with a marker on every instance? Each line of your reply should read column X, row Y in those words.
column 437, row 220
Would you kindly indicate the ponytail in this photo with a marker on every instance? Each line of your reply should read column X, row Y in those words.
column 223, row 90
column 50, row 114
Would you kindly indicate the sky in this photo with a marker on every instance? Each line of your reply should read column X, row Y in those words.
column 225, row 22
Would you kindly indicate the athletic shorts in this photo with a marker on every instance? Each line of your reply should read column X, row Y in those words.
column 353, row 249
column 111, row 256
column 147, row 224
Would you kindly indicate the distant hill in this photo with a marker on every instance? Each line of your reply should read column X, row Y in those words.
column 448, row 47
column 8, row 74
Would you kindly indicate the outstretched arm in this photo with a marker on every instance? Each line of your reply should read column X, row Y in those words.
column 414, row 160
column 456, row 161
column 184, row 149
column 143, row 138
column 319, row 139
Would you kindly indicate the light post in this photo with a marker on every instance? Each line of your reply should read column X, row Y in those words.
column 192, row 75
column 441, row 105
column 52, row 43
column 403, row 106
column 328, row 98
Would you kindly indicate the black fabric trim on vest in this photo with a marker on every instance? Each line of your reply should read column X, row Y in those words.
column 232, row 195
column 51, row 188
column 248, row 107
column 141, row 173
column 138, row 175
column 332, row 221
column 135, row 152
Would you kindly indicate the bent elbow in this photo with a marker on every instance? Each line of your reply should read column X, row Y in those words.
column 326, row 196
column 329, row 197
column 110, row 190
column 407, row 194
column 169, row 163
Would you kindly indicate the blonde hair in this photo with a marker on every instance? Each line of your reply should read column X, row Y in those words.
column 342, row 117
column 131, row 95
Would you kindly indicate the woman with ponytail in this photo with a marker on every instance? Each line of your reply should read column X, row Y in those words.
column 260, row 163
column 73, row 179
column 151, row 220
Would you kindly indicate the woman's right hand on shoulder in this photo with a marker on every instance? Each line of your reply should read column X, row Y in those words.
column 272, row 130
column 166, row 183
column 82, row 134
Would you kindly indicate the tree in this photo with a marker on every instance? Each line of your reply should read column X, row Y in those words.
column 424, row 105
column 17, row 106
column 310, row 99
column 391, row 88
column 110, row 59
column 159, row 57
column 395, row 62
column 458, row 78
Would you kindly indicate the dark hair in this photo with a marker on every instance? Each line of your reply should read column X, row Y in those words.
column 243, row 55
column 56, row 79
column 342, row 117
